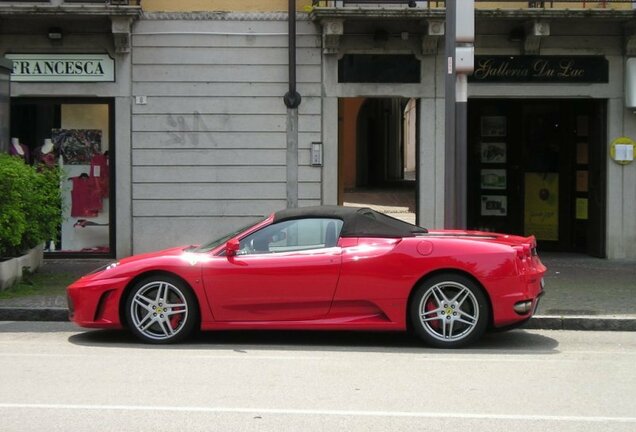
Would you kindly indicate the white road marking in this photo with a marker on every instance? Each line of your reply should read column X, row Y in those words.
column 318, row 412
column 181, row 356
column 566, row 357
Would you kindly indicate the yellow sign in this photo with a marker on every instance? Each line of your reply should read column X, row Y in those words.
column 581, row 208
column 541, row 215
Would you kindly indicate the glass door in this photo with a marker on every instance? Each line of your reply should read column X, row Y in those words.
column 537, row 168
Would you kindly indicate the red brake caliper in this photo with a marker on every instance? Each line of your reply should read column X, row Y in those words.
column 176, row 319
column 430, row 305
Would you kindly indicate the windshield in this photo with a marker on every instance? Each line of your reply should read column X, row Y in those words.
column 207, row 247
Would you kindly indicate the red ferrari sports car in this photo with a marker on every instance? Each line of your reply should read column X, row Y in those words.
column 322, row 268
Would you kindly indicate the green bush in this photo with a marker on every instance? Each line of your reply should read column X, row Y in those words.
column 30, row 205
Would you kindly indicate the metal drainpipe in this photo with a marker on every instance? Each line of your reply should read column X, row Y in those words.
column 450, row 146
column 292, row 100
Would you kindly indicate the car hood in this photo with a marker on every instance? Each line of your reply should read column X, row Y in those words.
column 129, row 265
column 171, row 252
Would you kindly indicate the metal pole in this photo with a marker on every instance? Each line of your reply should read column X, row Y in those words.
column 461, row 150
column 449, row 115
column 292, row 101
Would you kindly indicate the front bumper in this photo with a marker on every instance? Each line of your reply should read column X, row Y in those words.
column 95, row 302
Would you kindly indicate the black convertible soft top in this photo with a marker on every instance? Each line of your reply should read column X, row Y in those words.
column 358, row 222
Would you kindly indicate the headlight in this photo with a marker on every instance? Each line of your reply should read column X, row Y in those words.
column 104, row 268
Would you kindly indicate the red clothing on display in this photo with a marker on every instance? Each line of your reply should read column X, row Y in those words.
column 47, row 159
column 99, row 170
column 86, row 200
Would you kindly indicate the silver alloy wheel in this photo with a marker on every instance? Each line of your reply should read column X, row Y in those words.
column 159, row 310
column 448, row 311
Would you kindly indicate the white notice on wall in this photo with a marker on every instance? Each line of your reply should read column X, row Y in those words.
column 624, row 152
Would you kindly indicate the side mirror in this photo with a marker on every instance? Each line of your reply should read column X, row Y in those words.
column 232, row 248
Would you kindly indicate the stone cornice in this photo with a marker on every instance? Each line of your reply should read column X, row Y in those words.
column 318, row 14
column 221, row 16
column 77, row 10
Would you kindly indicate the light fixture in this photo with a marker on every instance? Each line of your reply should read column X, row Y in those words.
column 55, row 33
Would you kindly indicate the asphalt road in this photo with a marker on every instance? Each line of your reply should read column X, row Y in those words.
column 56, row 377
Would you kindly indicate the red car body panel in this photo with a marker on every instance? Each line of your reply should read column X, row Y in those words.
column 363, row 283
column 283, row 286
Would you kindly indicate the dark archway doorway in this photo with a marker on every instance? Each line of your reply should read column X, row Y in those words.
column 378, row 154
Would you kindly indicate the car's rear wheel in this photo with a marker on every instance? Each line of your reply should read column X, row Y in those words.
column 449, row 311
column 161, row 309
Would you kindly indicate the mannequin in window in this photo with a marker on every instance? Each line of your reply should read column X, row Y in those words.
column 20, row 150
column 45, row 154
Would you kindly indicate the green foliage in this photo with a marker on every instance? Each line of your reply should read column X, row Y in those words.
column 44, row 213
column 30, row 205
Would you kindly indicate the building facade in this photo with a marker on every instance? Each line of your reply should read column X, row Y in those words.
column 70, row 106
column 547, row 104
column 195, row 133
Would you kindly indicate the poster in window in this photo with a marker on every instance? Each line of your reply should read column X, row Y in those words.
column 581, row 209
column 581, row 153
column 493, row 179
column 493, row 152
column 494, row 205
column 541, row 217
column 581, row 181
column 493, row 126
column 77, row 146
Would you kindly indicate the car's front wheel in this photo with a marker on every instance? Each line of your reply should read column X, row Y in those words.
column 449, row 311
column 161, row 309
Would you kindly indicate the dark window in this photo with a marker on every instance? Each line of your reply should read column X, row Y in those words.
column 378, row 68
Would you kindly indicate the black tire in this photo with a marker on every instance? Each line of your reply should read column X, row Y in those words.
column 161, row 317
column 449, row 311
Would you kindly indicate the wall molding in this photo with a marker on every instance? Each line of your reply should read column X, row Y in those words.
column 222, row 16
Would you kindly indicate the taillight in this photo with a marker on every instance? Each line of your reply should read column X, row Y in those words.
column 524, row 251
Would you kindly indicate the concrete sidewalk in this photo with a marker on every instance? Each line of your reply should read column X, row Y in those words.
column 582, row 293
column 585, row 293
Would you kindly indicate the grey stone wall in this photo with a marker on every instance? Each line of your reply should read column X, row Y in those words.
column 209, row 146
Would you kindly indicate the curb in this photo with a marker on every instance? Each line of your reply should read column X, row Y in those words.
column 539, row 322
column 582, row 322
column 33, row 314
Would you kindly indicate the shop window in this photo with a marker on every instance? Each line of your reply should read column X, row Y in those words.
column 76, row 137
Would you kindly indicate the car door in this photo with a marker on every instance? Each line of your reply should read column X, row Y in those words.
column 285, row 271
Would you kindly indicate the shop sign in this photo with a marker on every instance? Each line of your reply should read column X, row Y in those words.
column 541, row 69
column 379, row 68
column 62, row 67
